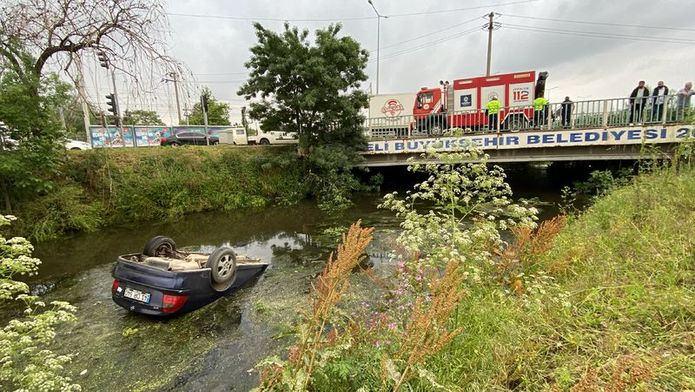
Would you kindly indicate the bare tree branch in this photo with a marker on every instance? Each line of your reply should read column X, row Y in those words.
column 132, row 33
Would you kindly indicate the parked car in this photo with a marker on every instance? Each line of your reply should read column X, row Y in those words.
column 71, row 144
column 163, row 281
column 190, row 137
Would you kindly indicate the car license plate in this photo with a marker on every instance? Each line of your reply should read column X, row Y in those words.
column 136, row 295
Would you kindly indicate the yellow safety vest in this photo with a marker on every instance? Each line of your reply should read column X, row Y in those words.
column 539, row 103
column 493, row 107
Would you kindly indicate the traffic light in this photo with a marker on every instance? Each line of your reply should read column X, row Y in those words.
column 111, row 103
column 103, row 60
column 204, row 100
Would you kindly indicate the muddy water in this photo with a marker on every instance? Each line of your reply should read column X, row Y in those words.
column 216, row 347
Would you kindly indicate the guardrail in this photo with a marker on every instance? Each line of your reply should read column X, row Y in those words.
column 602, row 113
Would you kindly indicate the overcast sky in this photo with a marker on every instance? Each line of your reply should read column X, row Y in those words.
column 581, row 66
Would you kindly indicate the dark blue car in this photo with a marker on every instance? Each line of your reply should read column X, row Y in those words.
column 163, row 281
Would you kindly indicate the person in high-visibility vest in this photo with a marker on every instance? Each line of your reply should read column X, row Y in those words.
column 539, row 111
column 493, row 110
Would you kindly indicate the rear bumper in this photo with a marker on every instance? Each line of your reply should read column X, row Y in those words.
column 194, row 284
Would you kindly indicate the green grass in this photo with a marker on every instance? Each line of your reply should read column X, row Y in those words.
column 616, row 311
column 105, row 187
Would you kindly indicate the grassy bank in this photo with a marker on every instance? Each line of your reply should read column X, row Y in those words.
column 609, row 306
column 103, row 187
column 601, row 301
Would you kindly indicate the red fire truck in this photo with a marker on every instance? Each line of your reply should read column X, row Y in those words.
column 462, row 103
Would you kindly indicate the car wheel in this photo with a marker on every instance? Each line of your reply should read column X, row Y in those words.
column 174, row 144
column 160, row 246
column 215, row 143
column 265, row 141
column 75, row 149
column 222, row 263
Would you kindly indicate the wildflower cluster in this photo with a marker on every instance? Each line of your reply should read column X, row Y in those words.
column 450, row 237
column 24, row 362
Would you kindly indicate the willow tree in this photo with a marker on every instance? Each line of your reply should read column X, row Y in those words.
column 130, row 32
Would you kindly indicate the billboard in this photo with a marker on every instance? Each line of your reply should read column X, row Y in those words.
column 111, row 136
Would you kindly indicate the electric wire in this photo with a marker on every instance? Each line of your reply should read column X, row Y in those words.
column 598, row 34
column 612, row 24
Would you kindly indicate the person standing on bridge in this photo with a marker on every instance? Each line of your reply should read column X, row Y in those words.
column 540, row 105
column 638, row 99
column 566, row 112
column 493, row 110
column 658, row 100
column 683, row 101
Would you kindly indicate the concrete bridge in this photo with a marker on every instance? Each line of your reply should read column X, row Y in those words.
column 598, row 130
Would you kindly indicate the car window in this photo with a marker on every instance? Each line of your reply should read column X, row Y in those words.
column 240, row 132
column 184, row 134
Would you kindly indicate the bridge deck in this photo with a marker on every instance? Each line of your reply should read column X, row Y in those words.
column 590, row 130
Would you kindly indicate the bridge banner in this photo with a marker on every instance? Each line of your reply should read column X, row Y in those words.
column 537, row 139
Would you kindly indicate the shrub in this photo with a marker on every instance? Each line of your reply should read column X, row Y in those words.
column 25, row 363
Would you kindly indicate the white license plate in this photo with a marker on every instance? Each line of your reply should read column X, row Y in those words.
column 136, row 295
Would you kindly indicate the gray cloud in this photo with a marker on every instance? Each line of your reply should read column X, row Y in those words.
column 216, row 49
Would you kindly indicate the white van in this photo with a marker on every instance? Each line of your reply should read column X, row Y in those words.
column 239, row 136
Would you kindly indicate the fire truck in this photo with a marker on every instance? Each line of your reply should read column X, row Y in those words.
column 461, row 104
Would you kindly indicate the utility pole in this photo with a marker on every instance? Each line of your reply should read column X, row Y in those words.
column 175, row 78
column 119, row 121
column 83, row 97
column 378, row 40
column 490, row 26
column 113, row 98
column 204, row 107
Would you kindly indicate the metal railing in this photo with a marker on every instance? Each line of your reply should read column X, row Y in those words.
column 602, row 113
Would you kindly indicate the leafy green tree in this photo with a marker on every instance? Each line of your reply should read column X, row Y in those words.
column 218, row 112
column 313, row 90
column 141, row 117
column 29, row 109
column 309, row 89
column 25, row 362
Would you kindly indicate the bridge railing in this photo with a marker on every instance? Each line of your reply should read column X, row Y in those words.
column 602, row 113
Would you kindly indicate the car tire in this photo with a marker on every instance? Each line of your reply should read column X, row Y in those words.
column 174, row 144
column 75, row 149
column 264, row 142
column 215, row 143
column 160, row 246
column 222, row 263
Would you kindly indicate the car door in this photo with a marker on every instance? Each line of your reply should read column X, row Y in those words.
column 186, row 137
column 198, row 138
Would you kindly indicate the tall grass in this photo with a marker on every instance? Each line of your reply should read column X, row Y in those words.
column 111, row 186
column 599, row 301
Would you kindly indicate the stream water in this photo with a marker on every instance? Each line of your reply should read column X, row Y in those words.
column 216, row 347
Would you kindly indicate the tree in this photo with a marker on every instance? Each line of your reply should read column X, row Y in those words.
column 142, row 117
column 218, row 112
column 312, row 90
column 309, row 89
column 129, row 32
column 29, row 109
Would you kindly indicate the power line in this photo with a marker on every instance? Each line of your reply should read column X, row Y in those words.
column 266, row 19
column 429, row 44
column 599, row 35
column 432, row 33
column 462, row 9
column 599, row 23
column 216, row 81
column 346, row 18
column 221, row 73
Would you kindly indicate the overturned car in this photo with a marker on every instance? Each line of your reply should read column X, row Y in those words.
column 163, row 281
